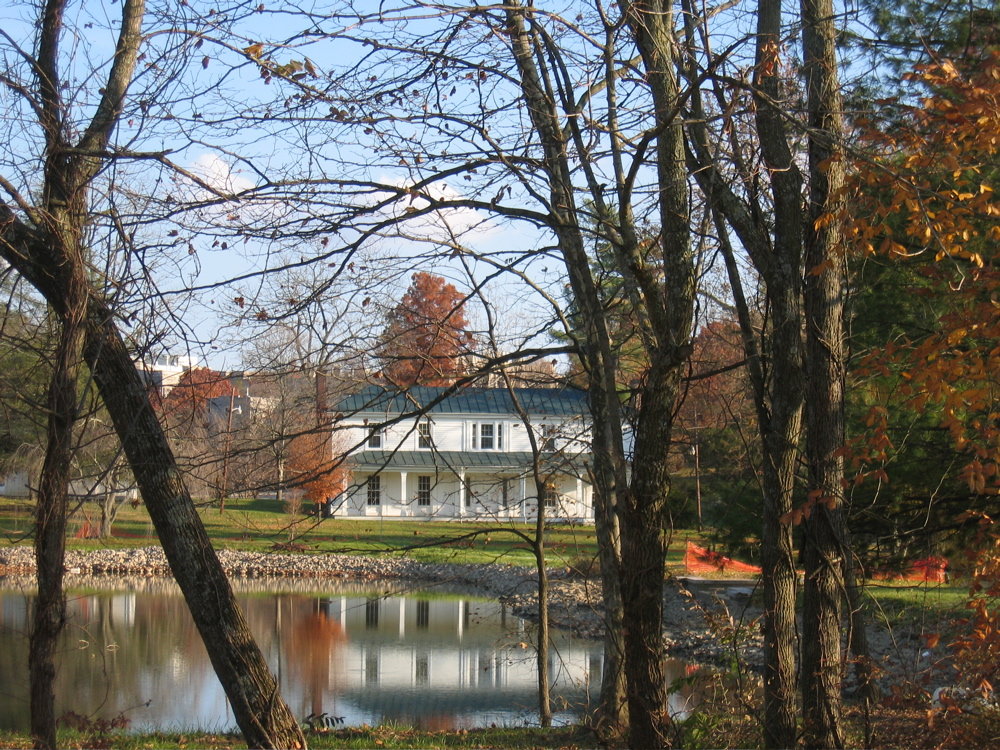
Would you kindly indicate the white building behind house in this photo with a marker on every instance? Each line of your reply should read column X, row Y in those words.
column 164, row 371
column 428, row 453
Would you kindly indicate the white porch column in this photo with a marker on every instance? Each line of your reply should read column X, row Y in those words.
column 403, row 506
column 524, row 498
column 581, row 506
column 461, row 492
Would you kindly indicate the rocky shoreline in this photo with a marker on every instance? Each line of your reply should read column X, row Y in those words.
column 692, row 620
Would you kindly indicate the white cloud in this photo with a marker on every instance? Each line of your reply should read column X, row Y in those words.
column 462, row 223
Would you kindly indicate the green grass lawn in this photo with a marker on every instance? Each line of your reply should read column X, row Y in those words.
column 261, row 525
column 926, row 606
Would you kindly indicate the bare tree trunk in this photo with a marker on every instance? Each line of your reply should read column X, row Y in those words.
column 858, row 639
column 597, row 357
column 63, row 206
column 612, row 711
column 774, row 244
column 780, row 439
column 50, row 525
column 670, row 311
column 778, row 402
column 644, row 545
column 108, row 512
column 823, row 531
column 785, row 344
column 664, row 312
column 538, row 548
column 261, row 714
column 544, row 678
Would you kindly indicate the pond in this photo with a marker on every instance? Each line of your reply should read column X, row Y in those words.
column 431, row 660
column 439, row 659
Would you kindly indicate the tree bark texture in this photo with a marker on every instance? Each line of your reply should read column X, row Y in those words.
column 612, row 712
column 774, row 244
column 63, row 204
column 784, row 288
column 48, row 251
column 596, row 350
column 824, row 552
column 669, row 309
column 50, row 525
column 262, row 715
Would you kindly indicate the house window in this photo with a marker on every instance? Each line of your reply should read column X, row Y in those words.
column 487, row 436
column 551, row 497
column 423, row 490
column 548, row 441
column 424, row 439
column 375, row 490
column 375, row 437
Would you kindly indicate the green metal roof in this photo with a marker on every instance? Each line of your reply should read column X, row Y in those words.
column 560, row 402
column 454, row 460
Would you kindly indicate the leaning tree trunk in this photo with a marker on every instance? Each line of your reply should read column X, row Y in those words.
column 261, row 714
column 49, row 254
column 824, row 549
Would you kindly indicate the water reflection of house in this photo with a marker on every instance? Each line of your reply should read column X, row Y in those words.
column 117, row 609
column 426, row 453
column 447, row 657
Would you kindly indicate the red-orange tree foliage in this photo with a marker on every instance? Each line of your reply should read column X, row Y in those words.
column 195, row 387
column 425, row 338
column 315, row 468
column 929, row 195
column 717, row 394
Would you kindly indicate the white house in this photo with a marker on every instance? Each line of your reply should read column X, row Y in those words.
column 428, row 453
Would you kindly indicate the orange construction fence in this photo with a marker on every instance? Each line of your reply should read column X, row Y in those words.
column 702, row 561
column 697, row 559
column 930, row 569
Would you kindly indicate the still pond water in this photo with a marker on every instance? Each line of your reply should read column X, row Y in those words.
column 434, row 660
column 429, row 659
